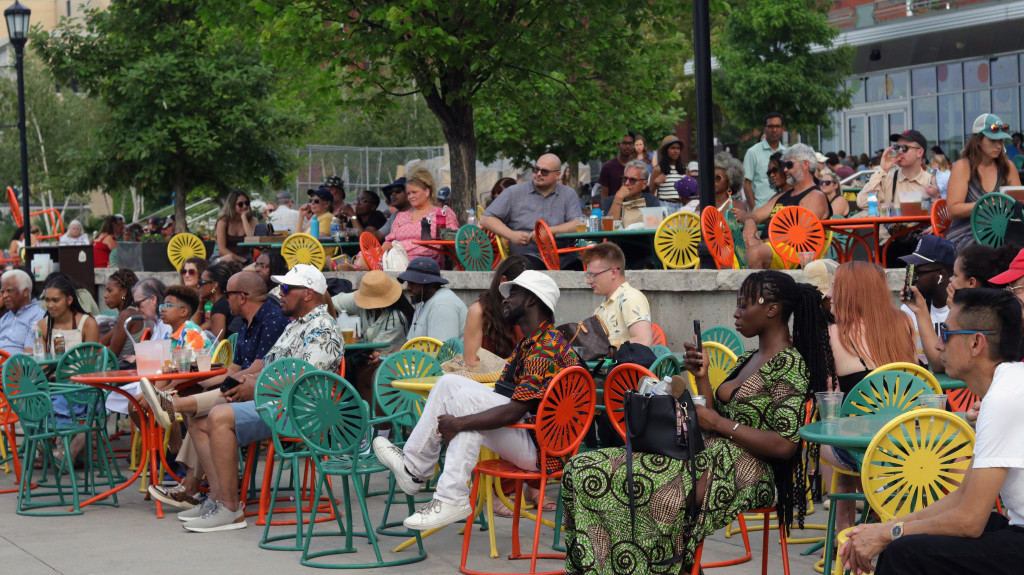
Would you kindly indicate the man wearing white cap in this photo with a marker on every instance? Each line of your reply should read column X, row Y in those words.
column 313, row 337
column 693, row 169
column 467, row 414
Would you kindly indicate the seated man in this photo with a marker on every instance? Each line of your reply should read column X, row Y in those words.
column 466, row 414
column 313, row 337
column 625, row 311
column 440, row 313
column 263, row 325
column 23, row 312
column 960, row 533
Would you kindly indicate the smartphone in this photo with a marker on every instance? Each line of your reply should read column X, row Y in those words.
column 697, row 334
column 228, row 384
column 908, row 280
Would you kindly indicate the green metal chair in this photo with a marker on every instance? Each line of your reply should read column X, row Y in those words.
column 473, row 248
column 450, row 348
column 666, row 366
column 233, row 338
column 334, row 424
column 989, row 218
column 79, row 360
column 725, row 336
column 660, row 350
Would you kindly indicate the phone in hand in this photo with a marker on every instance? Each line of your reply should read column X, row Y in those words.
column 908, row 280
column 228, row 384
column 697, row 335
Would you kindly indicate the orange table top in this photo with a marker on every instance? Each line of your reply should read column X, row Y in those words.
column 130, row 375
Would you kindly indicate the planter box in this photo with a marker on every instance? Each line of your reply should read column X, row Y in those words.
column 143, row 256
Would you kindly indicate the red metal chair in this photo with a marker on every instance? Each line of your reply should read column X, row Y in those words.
column 658, row 335
column 7, row 420
column 563, row 417
column 56, row 223
column 621, row 379
column 718, row 238
column 371, row 251
column 794, row 230
column 940, row 218
column 549, row 250
column 767, row 513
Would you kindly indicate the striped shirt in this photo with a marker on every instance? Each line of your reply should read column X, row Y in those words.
column 667, row 189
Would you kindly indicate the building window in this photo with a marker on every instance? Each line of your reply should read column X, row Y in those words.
column 1004, row 70
column 951, row 124
column 923, row 82
column 976, row 74
column 875, row 88
column 856, row 86
column 950, row 77
column 1004, row 105
column 975, row 104
column 896, row 86
column 926, row 117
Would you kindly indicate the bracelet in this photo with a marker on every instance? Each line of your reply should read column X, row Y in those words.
column 733, row 431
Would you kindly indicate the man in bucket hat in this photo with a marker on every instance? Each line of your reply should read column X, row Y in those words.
column 440, row 313
column 468, row 415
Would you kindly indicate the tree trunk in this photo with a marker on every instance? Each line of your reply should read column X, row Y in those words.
column 573, row 170
column 180, row 224
column 456, row 118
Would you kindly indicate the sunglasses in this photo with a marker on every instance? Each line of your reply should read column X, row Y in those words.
column 772, row 171
column 945, row 332
column 188, row 272
column 788, row 164
column 542, row 171
column 904, row 148
column 314, row 201
column 285, row 288
column 166, row 306
column 206, row 282
column 242, row 204
column 229, row 292
column 630, row 181
column 829, row 182
column 999, row 128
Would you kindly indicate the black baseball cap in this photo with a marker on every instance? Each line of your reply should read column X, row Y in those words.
column 912, row 135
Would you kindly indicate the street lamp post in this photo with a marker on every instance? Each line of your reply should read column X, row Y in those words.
column 17, row 17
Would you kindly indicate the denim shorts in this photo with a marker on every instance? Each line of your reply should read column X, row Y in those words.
column 844, row 457
column 248, row 425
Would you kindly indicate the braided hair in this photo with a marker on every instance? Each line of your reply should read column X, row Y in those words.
column 810, row 338
column 127, row 280
column 67, row 288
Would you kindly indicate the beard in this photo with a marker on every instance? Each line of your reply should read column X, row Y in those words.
column 512, row 315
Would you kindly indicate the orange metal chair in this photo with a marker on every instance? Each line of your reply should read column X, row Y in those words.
column 621, row 379
column 7, row 420
column 563, row 417
column 658, row 335
column 767, row 513
column 718, row 238
column 549, row 250
column 56, row 223
column 371, row 251
column 940, row 218
column 794, row 230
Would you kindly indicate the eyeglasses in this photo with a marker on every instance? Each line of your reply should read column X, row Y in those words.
column 206, row 282
column 188, row 272
column 314, row 201
column 166, row 306
column 1014, row 289
column 772, row 171
column 630, row 181
column 999, row 128
column 229, row 292
column 242, row 204
column 945, row 332
column 542, row 171
column 590, row 276
column 285, row 288
column 829, row 182
column 905, row 149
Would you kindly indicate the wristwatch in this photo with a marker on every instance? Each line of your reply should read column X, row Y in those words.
column 897, row 531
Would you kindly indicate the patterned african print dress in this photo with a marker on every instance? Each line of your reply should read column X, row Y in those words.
column 596, row 504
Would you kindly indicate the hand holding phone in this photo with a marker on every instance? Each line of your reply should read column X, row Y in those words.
column 228, row 384
column 906, row 294
column 697, row 334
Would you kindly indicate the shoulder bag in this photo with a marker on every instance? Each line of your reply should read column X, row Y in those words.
column 589, row 337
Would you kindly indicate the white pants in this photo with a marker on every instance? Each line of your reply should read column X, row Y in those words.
column 458, row 396
column 119, row 403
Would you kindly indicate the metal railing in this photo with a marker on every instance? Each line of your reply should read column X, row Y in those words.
column 359, row 168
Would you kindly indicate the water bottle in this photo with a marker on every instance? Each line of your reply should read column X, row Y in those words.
column 38, row 349
column 442, row 220
column 873, row 204
column 336, row 232
column 471, row 218
column 314, row 226
column 425, row 229
column 595, row 218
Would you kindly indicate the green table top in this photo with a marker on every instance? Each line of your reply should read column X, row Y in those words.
column 327, row 243
column 947, row 383
column 364, row 345
column 603, row 235
column 848, row 432
column 51, row 359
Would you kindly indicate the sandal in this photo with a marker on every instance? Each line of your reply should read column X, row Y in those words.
column 500, row 510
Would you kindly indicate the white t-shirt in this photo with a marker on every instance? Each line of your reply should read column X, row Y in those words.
column 939, row 315
column 1000, row 438
column 285, row 218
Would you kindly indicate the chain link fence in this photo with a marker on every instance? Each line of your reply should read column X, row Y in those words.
column 360, row 168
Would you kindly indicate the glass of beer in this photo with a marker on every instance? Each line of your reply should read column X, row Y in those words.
column 581, row 225
column 349, row 335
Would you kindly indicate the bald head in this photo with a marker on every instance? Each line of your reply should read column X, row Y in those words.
column 251, row 283
column 549, row 162
column 545, row 175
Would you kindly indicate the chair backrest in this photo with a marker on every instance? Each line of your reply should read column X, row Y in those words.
column 660, row 350
column 85, row 358
column 623, row 377
column 450, row 348
column 916, row 459
column 184, row 246
column 546, row 245
column 676, row 240
column 427, row 345
column 887, row 392
column 725, row 336
column 658, row 335
column 327, row 413
column 12, row 201
column 940, row 217
column 303, row 249
column 233, row 338
column 989, row 218
column 371, row 251
column 794, row 230
column 224, row 353
column 404, row 364
column 147, row 334
column 912, row 369
column 26, row 388
column 341, row 367
column 271, row 386
column 717, row 237
column 721, row 360
column 666, row 366
column 960, row 399
column 473, row 249
column 565, row 412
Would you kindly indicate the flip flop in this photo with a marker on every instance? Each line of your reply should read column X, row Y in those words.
column 548, row 505
column 500, row 510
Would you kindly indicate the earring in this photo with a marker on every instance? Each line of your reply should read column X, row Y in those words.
column 760, row 300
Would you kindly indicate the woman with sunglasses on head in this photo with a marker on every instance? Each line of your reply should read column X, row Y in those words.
column 235, row 222
column 213, row 283
column 191, row 270
column 118, row 296
column 829, row 183
column 983, row 169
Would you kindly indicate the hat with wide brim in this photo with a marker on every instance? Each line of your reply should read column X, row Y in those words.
column 377, row 290
column 540, row 284
column 422, row 270
column 488, row 370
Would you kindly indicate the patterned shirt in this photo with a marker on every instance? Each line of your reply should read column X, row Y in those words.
column 626, row 306
column 257, row 337
column 314, row 338
column 16, row 327
column 534, row 361
column 193, row 336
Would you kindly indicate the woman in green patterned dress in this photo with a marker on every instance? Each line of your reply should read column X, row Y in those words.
column 751, row 440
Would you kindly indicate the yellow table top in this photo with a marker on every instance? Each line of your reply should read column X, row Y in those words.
column 421, row 385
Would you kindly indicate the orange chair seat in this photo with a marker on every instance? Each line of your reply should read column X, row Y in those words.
column 506, row 470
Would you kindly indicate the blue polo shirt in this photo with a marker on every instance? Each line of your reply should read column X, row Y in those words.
column 256, row 338
column 16, row 327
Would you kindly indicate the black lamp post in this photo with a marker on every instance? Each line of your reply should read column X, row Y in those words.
column 17, row 17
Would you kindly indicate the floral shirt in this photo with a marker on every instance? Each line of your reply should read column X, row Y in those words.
column 626, row 306
column 314, row 338
column 534, row 361
column 406, row 230
column 190, row 334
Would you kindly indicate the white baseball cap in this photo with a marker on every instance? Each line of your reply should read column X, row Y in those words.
column 538, row 283
column 693, row 167
column 304, row 275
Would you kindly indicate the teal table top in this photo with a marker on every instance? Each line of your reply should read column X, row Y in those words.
column 364, row 345
column 603, row 235
column 947, row 383
column 853, row 433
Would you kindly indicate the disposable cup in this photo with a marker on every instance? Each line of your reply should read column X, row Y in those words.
column 182, row 358
column 204, row 359
column 932, row 400
column 829, row 404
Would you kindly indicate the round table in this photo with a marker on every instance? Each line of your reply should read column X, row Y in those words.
column 152, row 434
column 947, row 383
column 423, row 385
column 853, row 433
column 366, row 345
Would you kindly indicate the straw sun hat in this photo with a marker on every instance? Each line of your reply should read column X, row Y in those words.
column 377, row 290
column 488, row 370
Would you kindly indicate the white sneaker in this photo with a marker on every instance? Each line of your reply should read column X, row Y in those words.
column 161, row 404
column 197, row 511
column 219, row 518
column 435, row 514
column 394, row 459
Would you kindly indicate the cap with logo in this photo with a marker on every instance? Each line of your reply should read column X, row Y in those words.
column 304, row 276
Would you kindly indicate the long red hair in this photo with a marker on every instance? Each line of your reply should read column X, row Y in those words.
column 862, row 304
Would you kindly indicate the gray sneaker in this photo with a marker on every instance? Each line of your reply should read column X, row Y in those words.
column 219, row 518
column 160, row 403
column 197, row 511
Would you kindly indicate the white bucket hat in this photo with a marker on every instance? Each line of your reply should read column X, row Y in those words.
column 541, row 285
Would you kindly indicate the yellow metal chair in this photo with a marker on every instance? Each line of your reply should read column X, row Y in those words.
column 676, row 239
column 721, row 360
column 303, row 249
column 915, row 460
column 427, row 345
column 184, row 246
column 224, row 353
column 912, row 369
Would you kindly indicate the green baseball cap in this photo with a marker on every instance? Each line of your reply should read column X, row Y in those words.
column 991, row 127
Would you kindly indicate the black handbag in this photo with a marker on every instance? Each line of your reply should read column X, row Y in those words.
column 666, row 426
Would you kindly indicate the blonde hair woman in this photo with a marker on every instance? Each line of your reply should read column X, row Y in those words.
column 421, row 192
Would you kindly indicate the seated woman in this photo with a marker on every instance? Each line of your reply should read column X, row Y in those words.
column 365, row 217
column 75, row 235
column 271, row 262
column 407, row 227
column 485, row 328
column 235, row 222
column 752, row 450
column 106, row 241
column 191, row 270
column 829, row 184
column 118, row 296
column 213, row 283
